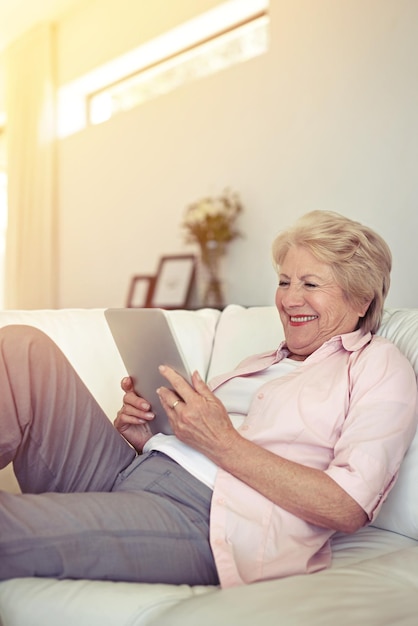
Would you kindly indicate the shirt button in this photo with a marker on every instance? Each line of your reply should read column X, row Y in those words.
column 220, row 501
column 245, row 427
column 260, row 396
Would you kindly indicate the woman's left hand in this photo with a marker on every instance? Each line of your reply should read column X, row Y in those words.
column 196, row 416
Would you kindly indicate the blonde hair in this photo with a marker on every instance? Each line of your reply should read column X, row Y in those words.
column 360, row 259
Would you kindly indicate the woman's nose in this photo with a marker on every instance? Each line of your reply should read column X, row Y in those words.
column 292, row 295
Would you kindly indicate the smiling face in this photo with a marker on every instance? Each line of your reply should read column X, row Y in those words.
column 311, row 304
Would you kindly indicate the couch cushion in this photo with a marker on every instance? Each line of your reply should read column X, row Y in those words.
column 195, row 331
column 51, row 602
column 400, row 511
column 241, row 332
column 383, row 590
column 401, row 327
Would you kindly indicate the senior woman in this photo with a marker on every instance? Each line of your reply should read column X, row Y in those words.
column 266, row 463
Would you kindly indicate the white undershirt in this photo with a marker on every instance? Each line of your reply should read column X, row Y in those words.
column 236, row 395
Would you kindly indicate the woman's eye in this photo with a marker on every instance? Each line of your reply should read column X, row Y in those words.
column 311, row 285
column 283, row 283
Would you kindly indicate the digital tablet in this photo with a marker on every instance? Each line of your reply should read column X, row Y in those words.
column 145, row 339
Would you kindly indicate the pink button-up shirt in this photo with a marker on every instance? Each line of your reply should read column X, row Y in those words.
column 350, row 410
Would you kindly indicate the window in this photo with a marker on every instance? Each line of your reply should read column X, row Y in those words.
column 238, row 44
column 231, row 33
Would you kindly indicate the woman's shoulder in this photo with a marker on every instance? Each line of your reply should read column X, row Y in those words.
column 382, row 353
column 385, row 345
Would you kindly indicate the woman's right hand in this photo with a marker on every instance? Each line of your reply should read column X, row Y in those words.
column 132, row 419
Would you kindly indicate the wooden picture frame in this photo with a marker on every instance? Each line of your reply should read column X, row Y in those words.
column 140, row 291
column 173, row 283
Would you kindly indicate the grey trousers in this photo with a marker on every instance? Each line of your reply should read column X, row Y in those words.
column 89, row 508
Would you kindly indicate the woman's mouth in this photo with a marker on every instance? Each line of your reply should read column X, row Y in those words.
column 302, row 319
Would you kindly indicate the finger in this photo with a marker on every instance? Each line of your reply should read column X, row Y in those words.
column 200, row 386
column 137, row 407
column 130, row 398
column 124, row 419
column 127, row 384
column 168, row 398
column 179, row 384
column 129, row 414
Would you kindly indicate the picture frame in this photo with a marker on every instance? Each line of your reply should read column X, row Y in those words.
column 174, row 281
column 140, row 291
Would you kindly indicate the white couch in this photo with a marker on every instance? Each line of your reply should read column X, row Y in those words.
column 374, row 575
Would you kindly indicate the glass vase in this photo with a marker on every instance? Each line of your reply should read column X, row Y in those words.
column 212, row 290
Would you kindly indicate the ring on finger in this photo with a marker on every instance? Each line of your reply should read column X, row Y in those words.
column 173, row 406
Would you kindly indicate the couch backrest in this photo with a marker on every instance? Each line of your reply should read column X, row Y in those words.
column 400, row 511
column 84, row 337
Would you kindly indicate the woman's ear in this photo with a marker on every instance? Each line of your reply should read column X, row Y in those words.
column 363, row 309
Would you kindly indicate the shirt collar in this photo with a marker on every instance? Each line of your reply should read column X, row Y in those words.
column 351, row 342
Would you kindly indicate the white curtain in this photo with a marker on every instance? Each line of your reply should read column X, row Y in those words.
column 31, row 241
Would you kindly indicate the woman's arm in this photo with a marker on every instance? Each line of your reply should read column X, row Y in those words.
column 305, row 492
column 202, row 422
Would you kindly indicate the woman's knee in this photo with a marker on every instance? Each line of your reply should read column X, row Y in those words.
column 22, row 331
column 18, row 339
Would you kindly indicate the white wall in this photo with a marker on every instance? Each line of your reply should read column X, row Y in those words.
column 327, row 119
